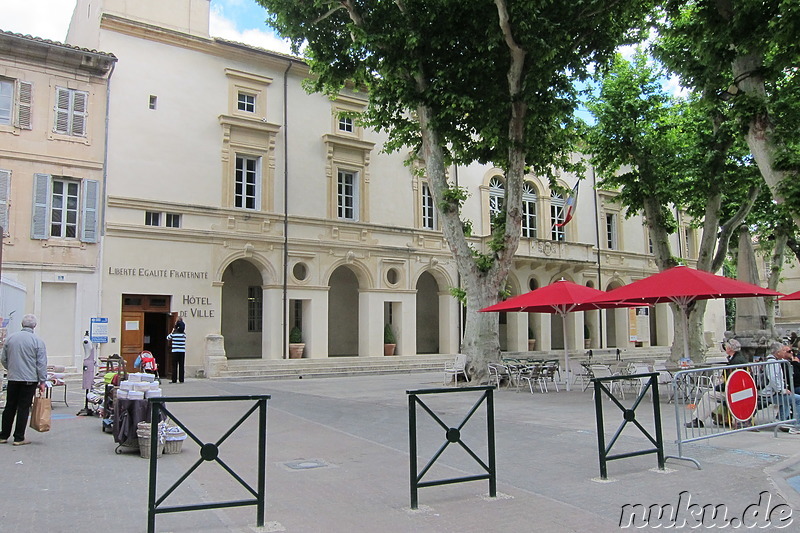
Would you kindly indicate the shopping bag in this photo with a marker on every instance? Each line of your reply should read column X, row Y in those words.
column 40, row 413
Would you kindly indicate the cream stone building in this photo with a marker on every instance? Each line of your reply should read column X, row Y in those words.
column 52, row 151
column 249, row 207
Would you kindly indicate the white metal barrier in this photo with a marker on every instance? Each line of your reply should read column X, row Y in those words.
column 704, row 408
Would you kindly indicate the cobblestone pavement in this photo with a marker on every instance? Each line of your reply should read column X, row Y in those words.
column 338, row 461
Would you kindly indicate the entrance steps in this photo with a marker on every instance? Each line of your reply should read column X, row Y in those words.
column 260, row 369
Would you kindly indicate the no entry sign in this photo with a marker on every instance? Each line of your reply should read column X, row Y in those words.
column 740, row 391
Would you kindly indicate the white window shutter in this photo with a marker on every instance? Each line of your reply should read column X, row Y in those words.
column 41, row 206
column 5, row 190
column 91, row 196
column 24, row 104
column 62, row 110
column 80, row 99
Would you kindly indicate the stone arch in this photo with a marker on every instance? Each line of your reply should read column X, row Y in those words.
column 268, row 274
column 241, row 323
column 429, row 312
column 359, row 270
column 344, row 308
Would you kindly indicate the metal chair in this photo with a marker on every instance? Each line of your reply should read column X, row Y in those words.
column 549, row 371
column 454, row 368
column 533, row 374
column 604, row 371
column 498, row 373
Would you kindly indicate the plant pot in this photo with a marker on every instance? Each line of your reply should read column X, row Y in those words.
column 388, row 349
column 587, row 343
column 296, row 350
column 531, row 345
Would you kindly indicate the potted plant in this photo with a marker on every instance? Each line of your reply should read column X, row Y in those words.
column 587, row 337
column 296, row 344
column 531, row 340
column 389, row 342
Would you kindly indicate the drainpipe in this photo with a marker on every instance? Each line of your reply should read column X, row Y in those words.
column 102, row 220
column 597, row 240
column 285, row 351
column 458, row 283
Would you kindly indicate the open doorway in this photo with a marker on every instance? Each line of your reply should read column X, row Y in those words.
column 146, row 321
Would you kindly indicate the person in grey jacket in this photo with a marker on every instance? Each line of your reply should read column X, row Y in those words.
column 775, row 390
column 25, row 358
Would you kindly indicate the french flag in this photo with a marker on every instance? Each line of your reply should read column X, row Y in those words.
column 569, row 205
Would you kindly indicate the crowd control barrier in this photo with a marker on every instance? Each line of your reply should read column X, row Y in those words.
column 628, row 417
column 719, row 400
column 209, row 451
column 452, row 435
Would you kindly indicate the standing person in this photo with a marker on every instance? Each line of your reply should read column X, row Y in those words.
column 178, row 338
column 25, row 357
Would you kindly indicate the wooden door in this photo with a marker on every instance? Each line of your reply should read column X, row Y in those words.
column 132, row 337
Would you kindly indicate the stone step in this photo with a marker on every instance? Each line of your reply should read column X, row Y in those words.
column 333, row 366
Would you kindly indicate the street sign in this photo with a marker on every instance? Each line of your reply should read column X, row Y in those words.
column 740, row 391
column 98, row 330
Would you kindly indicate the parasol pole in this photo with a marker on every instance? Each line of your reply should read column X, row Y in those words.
column 563, row 312
column 566, row 348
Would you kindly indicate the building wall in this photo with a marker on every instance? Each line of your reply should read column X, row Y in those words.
column 175, row 134
column 59, row 273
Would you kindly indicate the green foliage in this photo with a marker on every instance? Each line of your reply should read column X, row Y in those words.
column 388, row 335
column 459, row 294
column 295, row 335
column 586, row 333
column 453, row 198
column 530, row 333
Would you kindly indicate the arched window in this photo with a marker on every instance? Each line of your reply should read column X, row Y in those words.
column 528, row 210
column 497, row 195
column 557, row 215
column 428, row 210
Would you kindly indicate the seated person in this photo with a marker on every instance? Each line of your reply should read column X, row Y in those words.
column 713, row 398
column 775, row 390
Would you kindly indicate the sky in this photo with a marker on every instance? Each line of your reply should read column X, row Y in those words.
column 235, row 20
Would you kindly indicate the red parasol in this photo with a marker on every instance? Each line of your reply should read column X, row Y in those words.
column 682, row 285
column 560, row 298
column 792, row 296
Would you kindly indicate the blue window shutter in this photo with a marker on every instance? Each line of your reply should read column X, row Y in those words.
column 5, row 190
column 24, row 104
column 41, row 206
column 91, row 190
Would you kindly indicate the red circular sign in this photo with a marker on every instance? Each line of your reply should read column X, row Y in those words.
column 740, row 391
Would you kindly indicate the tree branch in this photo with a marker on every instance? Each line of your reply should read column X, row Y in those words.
column 330, row 12
column 727, row 228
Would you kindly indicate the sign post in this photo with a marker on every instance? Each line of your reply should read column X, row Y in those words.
column 740, row 392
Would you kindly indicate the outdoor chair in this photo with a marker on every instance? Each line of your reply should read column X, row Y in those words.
column 604, row 371
column 641, row 383
column 664, row 377
column 549, row 371
column 454, row 368
column 498, row 373
column 578, row 371
column 533, row 374
column 556, row 366
column 55, row 378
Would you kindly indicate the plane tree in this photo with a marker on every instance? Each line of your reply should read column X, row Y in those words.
column 457, row 82
column 666, row 153
column 748, row 50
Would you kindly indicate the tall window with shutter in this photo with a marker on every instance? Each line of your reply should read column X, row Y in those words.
column 71, row 111
column 65, row 208
column 16, row 97
column 5, row 190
